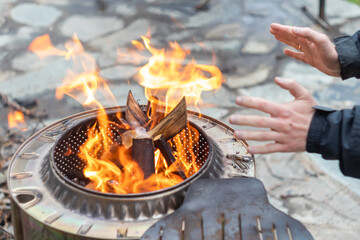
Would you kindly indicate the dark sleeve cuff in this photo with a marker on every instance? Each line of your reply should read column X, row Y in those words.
column 336, row 135
column 317, row 127
column 348, row 49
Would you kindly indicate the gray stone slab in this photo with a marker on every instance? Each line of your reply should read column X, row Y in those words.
column 3, row 55
column 90, row 27
column 32, row 83
column 219, row 47
column 306, row 75
column 343, row 94
column 342, row 9
column 35, row 15
column 7, row 1
column 218, row 98
column 122, row 38
column 332, row 169
column 319, row 213
column 4, row 9
column 226, row 31
column 107, row 59
column 122, row 56
column 260, row 75
column 213, row 15
column 307, row 194
column 330, row 232
column 259, row 47
column 125, row 9
column 5, row 39
column 350, row 27
column 180, row 36
column 118, row 73
column 26, row 33
column 6, row 75
column 172, row 13
column 52, row 2
column 269, row 91
column 14, row 40
column 28, row 62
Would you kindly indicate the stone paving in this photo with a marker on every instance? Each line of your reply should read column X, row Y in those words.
column 303, row 185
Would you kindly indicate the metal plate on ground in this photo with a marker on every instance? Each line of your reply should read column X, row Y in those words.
column 226, row 209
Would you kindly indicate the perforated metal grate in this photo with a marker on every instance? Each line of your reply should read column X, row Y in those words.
column 71, row 166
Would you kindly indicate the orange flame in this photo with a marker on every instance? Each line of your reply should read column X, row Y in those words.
column 109, row 165
column 16, row 120
column 167, row 78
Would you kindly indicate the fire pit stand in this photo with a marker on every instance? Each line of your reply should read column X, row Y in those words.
column 47, row 204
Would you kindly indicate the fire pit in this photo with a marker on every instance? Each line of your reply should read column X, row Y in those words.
column 51, row 200
column 124, row 172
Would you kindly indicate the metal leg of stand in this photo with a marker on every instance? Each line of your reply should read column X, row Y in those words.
column 322, row 10
column 321, row 18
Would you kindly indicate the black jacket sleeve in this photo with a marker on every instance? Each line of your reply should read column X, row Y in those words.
column 336, row 135
column 348, row 49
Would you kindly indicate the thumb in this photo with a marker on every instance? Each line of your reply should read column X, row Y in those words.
column 292, row 86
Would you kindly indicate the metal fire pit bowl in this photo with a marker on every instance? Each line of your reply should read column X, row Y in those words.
column 68, row 165
column 49, row 200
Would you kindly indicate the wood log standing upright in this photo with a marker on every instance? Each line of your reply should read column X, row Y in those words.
column 162, row 128
column 143, row 153
column 133, row 113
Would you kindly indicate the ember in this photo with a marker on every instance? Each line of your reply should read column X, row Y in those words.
column 16, row 120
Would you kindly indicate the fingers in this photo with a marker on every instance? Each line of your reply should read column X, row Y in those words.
column 260, row 104
column 255, row 121
column 290, row 42
column 259, row 135
column 309, row 34
column 289, row 32
column 277, row 28
column 282, row 32
column 297, row 55
column 292, row 86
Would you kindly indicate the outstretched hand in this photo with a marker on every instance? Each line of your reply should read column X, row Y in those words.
column 288, row 123
column 314, row 48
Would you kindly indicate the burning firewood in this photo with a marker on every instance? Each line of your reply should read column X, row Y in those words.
column 133, row 113
column 155, row 111
column 173, row 123
column 142, row 143
column 143, row 153
column 6, row 101
column 165, row 150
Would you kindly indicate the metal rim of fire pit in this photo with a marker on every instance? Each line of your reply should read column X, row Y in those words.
column 39, row 202
column 67, row 135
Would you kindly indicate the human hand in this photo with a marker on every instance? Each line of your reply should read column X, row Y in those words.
column 289, row 122
column 314, row 48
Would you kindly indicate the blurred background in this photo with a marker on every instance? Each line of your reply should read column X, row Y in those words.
column 231, row 34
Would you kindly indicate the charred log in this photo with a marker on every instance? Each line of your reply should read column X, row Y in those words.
column 165, row 149
column 143, row 153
